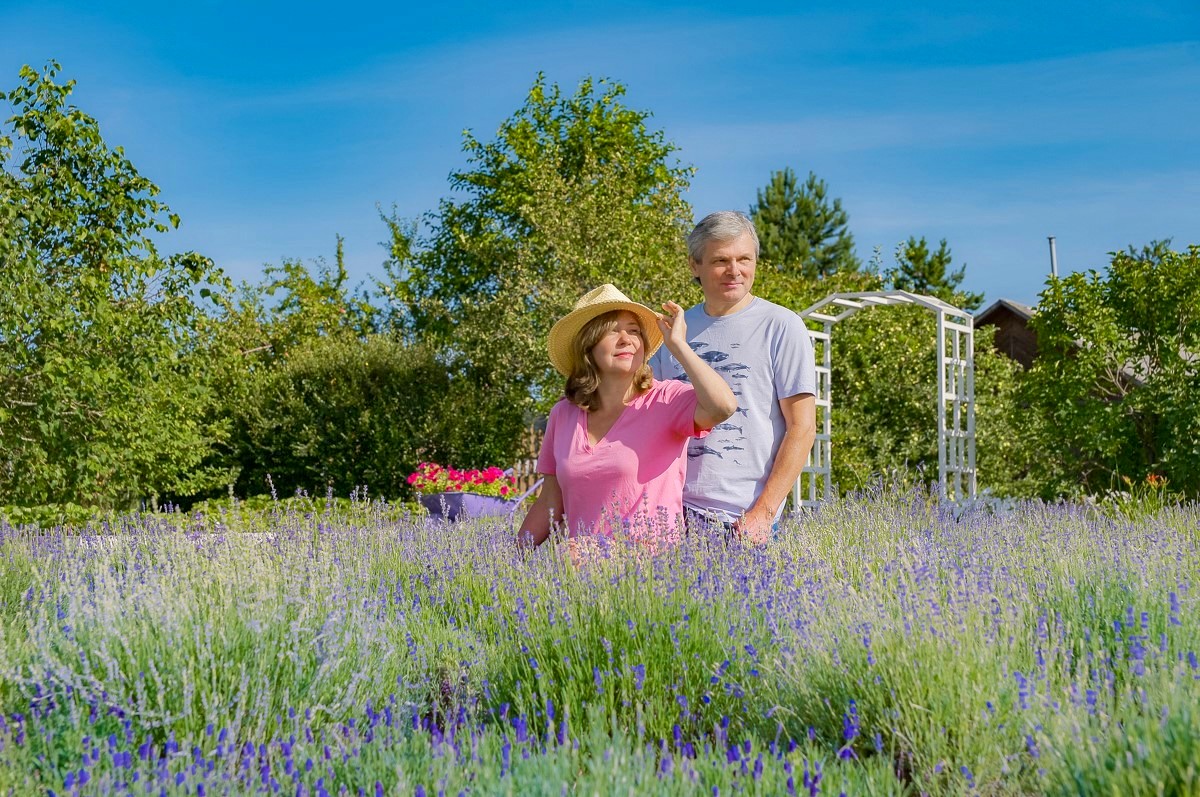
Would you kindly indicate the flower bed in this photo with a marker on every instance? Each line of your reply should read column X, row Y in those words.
column 882, row 645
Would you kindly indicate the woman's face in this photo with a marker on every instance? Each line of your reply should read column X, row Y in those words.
column 622, row 350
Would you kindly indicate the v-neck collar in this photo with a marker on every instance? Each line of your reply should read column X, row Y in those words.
column 583, row 423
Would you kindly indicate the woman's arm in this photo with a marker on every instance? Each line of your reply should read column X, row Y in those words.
column 714, row 400
column 546, row 510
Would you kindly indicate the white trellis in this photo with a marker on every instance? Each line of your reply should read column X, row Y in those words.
column 955, row 392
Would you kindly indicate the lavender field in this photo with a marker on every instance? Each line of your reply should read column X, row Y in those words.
column 881, row 646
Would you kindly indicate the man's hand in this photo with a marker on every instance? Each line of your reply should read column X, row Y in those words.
column 755, row 525
column 799, row 413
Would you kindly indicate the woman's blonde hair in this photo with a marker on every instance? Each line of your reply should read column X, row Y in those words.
column 584, row 382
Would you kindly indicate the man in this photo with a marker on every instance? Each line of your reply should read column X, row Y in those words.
column 741, row 474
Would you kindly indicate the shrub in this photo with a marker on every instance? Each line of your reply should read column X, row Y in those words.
column 339, row 413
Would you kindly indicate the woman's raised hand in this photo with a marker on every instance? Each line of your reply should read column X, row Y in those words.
column 672, row 326
column 714, row 398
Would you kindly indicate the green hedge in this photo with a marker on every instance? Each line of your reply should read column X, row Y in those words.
column 340, row 413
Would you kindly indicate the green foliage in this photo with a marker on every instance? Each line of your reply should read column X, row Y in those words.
column 47, row 516
column 1137, row 500
column 574, row 191
column 800, row 229
column 254, row 331
column 794, row 290
column 102, row 384
column 261, row 513
column 1005, row 451
column 311, row 305
column 884, row 390
column 338, row 413
column 921, row 271
column 885, row 403
column 1114, row 390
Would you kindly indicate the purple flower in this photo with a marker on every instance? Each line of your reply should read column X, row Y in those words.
column 522, row 729
column 850, row 729
column 1137, row 652
column 1022, row 690
column 812, row 780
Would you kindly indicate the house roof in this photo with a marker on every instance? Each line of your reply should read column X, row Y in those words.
column 988, row 315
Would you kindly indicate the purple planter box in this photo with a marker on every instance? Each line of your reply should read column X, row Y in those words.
column 456, row 505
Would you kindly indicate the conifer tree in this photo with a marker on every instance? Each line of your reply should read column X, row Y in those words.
column 919, row 270
column 801, row 228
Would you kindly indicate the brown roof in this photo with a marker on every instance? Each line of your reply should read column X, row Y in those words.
column 1014, row 336
column 988, row 315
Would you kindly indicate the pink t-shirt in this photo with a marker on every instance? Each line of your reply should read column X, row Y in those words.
column 633, row 477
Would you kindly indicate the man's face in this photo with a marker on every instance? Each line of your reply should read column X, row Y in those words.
column 726, row 270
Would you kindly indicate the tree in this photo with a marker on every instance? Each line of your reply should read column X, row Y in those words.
column 102, row 381
column 573, row 192
column 253, row 336
column 921, row 271
column 799, row 228
column 1114, row 391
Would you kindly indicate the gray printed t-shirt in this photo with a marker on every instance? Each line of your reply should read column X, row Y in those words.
column 765, row 354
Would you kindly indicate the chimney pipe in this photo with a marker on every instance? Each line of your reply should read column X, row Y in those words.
column 1053, row 259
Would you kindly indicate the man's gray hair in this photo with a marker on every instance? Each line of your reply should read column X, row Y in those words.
column 723, row 225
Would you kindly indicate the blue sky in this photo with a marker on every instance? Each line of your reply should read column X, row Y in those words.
column 273, row 127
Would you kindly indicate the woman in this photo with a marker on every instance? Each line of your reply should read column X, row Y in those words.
column 615, row 449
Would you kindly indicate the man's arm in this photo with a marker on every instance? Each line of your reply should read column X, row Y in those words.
column 800, row 415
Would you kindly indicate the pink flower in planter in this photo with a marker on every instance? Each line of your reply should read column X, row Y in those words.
column 430, row 479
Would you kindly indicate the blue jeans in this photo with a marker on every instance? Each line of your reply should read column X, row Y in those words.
column 694, row 520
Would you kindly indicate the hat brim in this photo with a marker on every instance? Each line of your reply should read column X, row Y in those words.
column 563, row 333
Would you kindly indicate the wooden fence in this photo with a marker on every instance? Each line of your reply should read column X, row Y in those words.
column 524, row 470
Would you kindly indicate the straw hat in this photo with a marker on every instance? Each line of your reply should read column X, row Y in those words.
column 598, row 301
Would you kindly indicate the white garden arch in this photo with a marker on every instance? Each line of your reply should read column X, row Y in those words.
column 955, row 392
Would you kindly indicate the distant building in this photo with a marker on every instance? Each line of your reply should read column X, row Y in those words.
column 1014, row 336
